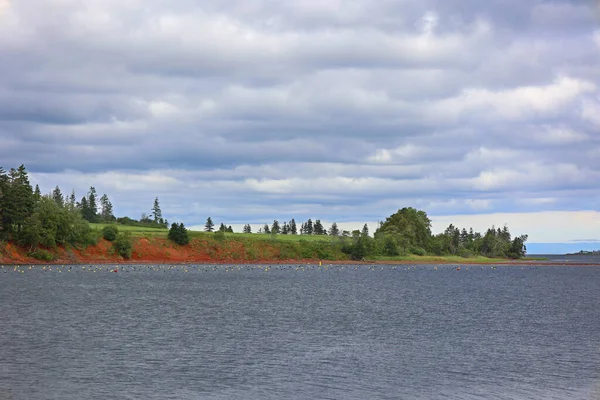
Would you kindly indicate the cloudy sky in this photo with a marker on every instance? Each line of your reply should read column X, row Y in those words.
column 478, row 112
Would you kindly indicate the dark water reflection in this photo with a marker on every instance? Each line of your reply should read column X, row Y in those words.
column 309, row 333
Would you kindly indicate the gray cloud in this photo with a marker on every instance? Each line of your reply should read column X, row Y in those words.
column 343, row 111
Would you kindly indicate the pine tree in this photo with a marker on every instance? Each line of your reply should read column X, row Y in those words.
column 84, row 208
column 209, row 226
column 293, row 228
column 72, row 203
column 18, row 199
column 318, row 228
column 247, row 228
column 266, row 229
column 4, row 182
column 156, row 211
column 222, row 228
column 37, row 193
column 275, row 227
column 285, row 229
column 57, row 196
column 92, row 215
column 178, row 234
column 229, row 229
column 106, row 209
column 334, row 230
column 365, row 231
column 309, row 227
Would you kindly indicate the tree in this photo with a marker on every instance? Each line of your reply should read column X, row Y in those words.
column 247, row 228
column 266, row 229
column 106, row 212
column 334, row 230
column 84, row 208
column 156, row 212
column 3, row 189
column 229, row 229
column 222, row 228
column 209, row 226
column 178, row 234
column 57, row 196
column 309, row 227
column 409, row 228
column 72, row 202
column 293, row 228
column 18, row 201
column 365, row 230
column 318, row 228
column 37, row 193
column 275, row 227
column 285, row 229
column 92, row 215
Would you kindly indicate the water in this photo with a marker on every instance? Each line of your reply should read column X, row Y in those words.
column 300, row 333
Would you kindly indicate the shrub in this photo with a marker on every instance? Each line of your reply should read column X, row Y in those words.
column 123, row 245
column 219, row 236
column 466, row 253
column 110, row 232
column 41, row 254
column 419, row 251
column 179, row 234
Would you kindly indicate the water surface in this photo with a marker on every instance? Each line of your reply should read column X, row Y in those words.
column 300, row 332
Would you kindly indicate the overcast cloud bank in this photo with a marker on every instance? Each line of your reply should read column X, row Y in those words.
column 343, row 111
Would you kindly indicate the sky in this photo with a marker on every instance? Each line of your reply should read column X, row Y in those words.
column 478, row 112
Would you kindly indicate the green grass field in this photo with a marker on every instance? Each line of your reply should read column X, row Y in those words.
column 144, row 231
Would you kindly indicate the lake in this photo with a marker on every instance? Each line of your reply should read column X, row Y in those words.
column 300, row 332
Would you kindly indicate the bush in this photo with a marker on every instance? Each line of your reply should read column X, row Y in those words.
column 466, row 253
column 219, row 236
column 110, row 232
column 179, row 234
column 41, row 254
column 123, row 245
column 418, row 251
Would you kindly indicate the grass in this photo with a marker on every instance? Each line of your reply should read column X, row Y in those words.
column 144, row 231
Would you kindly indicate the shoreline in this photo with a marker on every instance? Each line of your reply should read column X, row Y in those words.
column 521, row 263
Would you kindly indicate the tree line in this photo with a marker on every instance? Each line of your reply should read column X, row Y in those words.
column 36, row 220
column 407, row 231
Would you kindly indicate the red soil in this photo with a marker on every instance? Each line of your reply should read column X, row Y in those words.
column 151, row 251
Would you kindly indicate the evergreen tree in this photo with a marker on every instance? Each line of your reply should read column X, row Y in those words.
column 275, row 227
column 309, row 227
column 83, row 207
column 18, row 200
column 178, row 234
column 209, row 226
column 106, row 212
column 229, row 229
column 365, row 231
column 72, row 203
column 156, row 211
column 285, row 229
column 293, row 228
column 247, row 228
column 57, row 196
column 92, row 206
column 266, row 229
column 334, row 230
column 37, row 193
column 318, row 228
column 222, row 228
column 4, row 182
